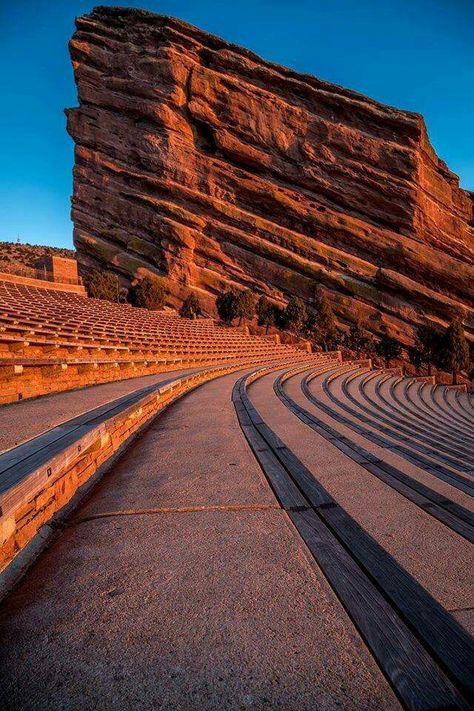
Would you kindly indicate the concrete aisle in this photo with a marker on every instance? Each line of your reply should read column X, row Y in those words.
column 183, row 610
column 437, row 557
column 23, row 420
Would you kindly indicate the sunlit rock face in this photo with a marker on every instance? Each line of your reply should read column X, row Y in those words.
column 197, row 160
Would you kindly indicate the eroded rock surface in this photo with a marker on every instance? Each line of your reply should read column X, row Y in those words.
column 200, row 161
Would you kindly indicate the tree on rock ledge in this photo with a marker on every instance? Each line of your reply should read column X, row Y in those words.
column 388, row 348
column 426, row 349
column 320, row 325
column 191, row 307
column 103, row 285
column 295, row 315
column 227, row 307
column 148, row 294
column 245, row 305
column 265, row 313
column 358, row 340
column 456, row 349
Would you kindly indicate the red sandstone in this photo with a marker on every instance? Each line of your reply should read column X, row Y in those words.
column 199, row 161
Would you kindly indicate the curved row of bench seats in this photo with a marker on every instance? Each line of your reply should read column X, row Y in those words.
column 392, row 414
column 380, row 400
column 36, row 321
column 52, row 341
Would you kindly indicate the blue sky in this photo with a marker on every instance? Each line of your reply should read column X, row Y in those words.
column 414, row 54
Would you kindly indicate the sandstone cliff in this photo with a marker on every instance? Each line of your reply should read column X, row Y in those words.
column 198, row 160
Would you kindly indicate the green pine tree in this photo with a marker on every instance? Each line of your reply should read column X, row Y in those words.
column 456, row 349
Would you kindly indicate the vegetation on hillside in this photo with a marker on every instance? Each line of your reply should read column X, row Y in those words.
column 103, row 285
column 148, row 293
column 28, row 254
column 191, row 307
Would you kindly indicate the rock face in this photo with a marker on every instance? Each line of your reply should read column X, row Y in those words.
column 199, row 161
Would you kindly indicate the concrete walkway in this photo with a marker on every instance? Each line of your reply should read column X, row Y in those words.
column 141, row 604
column 437, row 557
column 32, row 417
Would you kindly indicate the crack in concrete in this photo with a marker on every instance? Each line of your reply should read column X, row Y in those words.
column 461, row 609
column 180, row 509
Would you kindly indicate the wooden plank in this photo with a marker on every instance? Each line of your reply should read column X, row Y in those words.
column 450, row 477
column 416, row 676
column 447, row 512
column 284, row 489
column 447, row 640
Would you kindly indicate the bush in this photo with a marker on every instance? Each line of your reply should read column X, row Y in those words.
column 245, row 305
column 388, row 348
column 227, row 306
column 103, row 285
column 295, row 315
column 191, row 308
column 149, row 294
column 266, row 314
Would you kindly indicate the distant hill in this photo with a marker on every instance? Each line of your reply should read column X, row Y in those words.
column 14, row 255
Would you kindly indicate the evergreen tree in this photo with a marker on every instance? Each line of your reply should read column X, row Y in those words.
column 358, row 339
column 456, row 349
column 245, row 305
column 280, row 317
column 148, row 293
column 325, row 331
column 265, row 313
column 295, row 315
column 416, row 358
column 191, row 308
column 226, row 304
column 310, row 324
column 427, row 348
column 388, row 348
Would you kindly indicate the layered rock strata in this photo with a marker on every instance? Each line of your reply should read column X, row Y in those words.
column 199, row 161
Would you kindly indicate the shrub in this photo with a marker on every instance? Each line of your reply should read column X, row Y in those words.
column 227, row 306
column 295, row 315
column 148, row 293
column 191, row 308
column 245, row 305
column 103, row 285
column 265, row 313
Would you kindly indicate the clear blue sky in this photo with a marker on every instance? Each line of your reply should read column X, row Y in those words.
column 414, row 54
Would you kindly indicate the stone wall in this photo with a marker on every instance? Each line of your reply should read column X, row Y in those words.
column 45, row 489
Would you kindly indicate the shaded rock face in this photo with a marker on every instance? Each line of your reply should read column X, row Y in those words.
column 197, row 160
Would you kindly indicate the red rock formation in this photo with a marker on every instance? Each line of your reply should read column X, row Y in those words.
column 198, row 160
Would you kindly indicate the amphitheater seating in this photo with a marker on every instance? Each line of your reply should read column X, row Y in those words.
column 52, row 341
column 384, row 475
column 427, row 425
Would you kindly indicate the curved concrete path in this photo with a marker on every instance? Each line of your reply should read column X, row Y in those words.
column 33, row 417
column 181, row 584
column 437, row 557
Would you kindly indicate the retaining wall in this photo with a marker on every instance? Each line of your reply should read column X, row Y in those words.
column 42, row 480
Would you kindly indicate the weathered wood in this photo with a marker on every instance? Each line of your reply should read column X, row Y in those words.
column 447, row 512
column 440, row 472
column 420, row 647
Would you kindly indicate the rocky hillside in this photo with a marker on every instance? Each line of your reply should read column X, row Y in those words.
column 14, row 255
column 198, row 160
